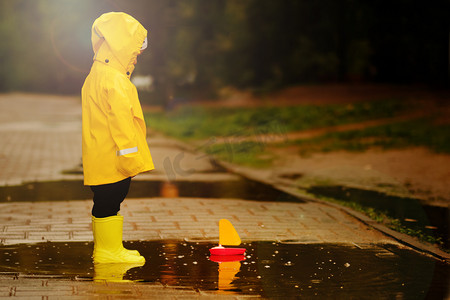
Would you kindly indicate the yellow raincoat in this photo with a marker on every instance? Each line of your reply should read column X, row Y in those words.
column 114, row 131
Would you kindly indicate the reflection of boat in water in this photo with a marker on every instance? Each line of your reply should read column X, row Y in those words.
column 227, row 273
column 227, row 236
column 229, row 266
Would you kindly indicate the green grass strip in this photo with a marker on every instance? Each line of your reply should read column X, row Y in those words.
column 422, row 132
column 194, row 122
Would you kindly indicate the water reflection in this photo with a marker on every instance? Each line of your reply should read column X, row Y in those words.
column 229, row 266
column 269, row 269
column 75, row 190
column 168, row 190
column 113, row 272
column 168, row 275
column 227, row 273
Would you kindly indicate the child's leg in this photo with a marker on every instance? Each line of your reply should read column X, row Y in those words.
column 108, row 197
column 107, row 226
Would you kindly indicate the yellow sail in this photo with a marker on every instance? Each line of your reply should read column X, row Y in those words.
column 227, row 234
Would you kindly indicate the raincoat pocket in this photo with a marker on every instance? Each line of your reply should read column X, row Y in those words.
column 130, row 164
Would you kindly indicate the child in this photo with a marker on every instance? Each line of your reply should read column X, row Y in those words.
column 114, row 132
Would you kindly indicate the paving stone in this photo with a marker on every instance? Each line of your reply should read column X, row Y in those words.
column 181, row 223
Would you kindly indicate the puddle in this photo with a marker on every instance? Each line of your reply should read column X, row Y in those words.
column 74, row 190
column 268, row 269
column 432, row 220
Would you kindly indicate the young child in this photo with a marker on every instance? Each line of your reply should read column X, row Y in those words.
column 114, row 132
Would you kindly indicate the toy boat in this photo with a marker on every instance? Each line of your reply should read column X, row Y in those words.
column 227, row 236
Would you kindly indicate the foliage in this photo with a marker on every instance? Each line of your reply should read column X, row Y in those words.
column 249, row 44
column 45, row 45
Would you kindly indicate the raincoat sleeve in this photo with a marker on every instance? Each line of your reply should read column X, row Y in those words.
column 121, row 124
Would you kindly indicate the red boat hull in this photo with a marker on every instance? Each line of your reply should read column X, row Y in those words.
column 227, row 251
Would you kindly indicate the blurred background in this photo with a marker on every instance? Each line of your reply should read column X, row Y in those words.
column 198, row 47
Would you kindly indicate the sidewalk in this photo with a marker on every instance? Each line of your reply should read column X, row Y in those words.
column 41, row 141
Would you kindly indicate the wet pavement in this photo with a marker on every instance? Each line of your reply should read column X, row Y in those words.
column 295, row 247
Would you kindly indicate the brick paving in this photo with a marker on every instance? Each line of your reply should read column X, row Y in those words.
column 37, row 288
column 185, row 218
column 41, row 138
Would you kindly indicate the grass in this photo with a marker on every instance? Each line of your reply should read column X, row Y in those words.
column 197, row 123
column 251, row 154
column 421, row 132
column 194, row 123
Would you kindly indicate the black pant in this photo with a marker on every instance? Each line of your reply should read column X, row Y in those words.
column 108, row 197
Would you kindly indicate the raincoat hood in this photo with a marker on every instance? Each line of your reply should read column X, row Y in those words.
column 117, row 39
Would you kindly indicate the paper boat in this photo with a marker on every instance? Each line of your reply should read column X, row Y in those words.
column 229, row 237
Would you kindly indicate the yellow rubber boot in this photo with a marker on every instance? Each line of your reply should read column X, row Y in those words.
column 132, row 252
column 108, row 247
